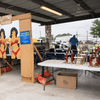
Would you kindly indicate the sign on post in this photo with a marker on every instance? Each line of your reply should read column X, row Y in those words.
column 4, row 20
column 25, row 37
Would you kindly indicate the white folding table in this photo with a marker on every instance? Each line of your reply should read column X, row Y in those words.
column 68, row 66
column 62, row 64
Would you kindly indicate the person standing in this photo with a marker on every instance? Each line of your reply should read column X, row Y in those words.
column 74, row 42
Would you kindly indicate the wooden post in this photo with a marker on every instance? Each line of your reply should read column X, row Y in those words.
column 26, row 51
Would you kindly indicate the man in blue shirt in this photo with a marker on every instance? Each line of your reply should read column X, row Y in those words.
column 74, row 42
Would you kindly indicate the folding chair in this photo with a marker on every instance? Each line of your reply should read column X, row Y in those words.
column 60, row 56
column 50, row 56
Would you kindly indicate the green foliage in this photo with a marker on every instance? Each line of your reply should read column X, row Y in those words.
column 60, row 35
column 43, row 38
column 64, row 34
column 52, row 37
column 95, row 30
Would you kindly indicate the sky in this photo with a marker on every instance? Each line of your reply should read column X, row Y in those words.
column 80, row 27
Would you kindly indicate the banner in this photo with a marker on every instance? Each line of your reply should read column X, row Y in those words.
column 4, row 20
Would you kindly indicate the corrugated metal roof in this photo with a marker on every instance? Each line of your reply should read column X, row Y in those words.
column 39, row 18
column 22, row 3
column 28, row 5
column 43, row 11
column 55, row 1
column 66, row 7
column 3, row 10
column 94, row 4
column 7, row 1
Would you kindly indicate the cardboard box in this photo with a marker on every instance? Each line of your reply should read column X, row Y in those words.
column 67, row 80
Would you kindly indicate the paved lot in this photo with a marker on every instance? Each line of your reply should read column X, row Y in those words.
column 11, row 88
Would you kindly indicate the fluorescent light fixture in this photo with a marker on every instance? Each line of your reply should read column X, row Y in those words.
column 50, row 10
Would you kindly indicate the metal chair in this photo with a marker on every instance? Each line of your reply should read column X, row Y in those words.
column 37, row 57
column 51, row 50
column 59, row 50
column 60, row 56
column 50, row 56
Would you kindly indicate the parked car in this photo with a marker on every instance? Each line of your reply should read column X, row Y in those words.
column 39, row 40
column 53, row 43
column 64, row 43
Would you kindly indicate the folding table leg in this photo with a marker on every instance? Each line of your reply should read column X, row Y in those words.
column 85, row 72
column 81, row 74
column 47, row 77
column 42, row 71
column 43, row 76
column 44, row 86
column 53, row 75
column 47, row 73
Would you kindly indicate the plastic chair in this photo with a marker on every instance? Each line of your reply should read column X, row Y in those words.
column 59, row 50
column 51, row 50
column 38, row 59
column 63, row 51
column 56, row 46
column 50, row 55
column 60, row 56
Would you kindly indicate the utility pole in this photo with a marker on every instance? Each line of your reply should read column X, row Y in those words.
column 87, row 35
column 77, row 34
column 40, row 34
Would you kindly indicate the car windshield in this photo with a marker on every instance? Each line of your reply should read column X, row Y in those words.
column 38, row 40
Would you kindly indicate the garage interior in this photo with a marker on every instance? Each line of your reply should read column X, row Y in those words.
column 12, row 88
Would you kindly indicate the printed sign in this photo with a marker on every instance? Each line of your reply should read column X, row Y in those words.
column 4, row 20
column 25, row 37
column 65, row 82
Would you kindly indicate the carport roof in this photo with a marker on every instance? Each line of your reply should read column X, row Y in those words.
column 88, row 9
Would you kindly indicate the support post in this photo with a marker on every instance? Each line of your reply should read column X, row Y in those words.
column 26, row 50
column 48, row 36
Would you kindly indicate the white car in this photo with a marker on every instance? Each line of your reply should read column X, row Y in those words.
column 39, row 40
column 65, row 43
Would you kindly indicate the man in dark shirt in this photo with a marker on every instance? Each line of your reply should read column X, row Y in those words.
column 74, row 42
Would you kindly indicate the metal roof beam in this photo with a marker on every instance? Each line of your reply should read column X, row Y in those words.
column 46, row 4
column 33, row 20
column 5, row 5
column 85, row 6
column 37, row 21
column 97, row 15
column 2, row 14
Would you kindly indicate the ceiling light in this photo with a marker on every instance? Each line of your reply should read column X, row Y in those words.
column 50, row 10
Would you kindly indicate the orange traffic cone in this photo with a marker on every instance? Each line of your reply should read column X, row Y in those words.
column 42, row 80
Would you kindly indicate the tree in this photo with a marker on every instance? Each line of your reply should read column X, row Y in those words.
column 52, row 37
column 68, row 34
column 95, row 30
column 43, row 38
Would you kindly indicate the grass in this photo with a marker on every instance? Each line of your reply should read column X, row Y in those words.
column 93, row 46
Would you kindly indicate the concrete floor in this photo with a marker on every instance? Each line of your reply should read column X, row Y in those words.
column 11, row 88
